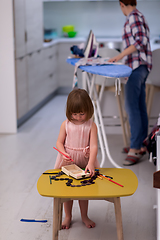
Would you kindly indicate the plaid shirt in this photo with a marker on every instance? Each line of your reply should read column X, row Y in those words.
column 136, row 32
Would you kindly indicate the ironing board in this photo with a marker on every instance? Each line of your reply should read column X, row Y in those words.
column 107, row 70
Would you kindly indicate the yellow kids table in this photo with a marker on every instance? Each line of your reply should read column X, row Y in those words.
column 100, row 190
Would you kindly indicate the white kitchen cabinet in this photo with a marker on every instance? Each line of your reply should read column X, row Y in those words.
column 34, row 25
column 50, row 61
column 65, row 70
column 35, row 70
column 42, row 78
column 28, row 19
column 21, row 86
column 35, row 78
column 19, row 28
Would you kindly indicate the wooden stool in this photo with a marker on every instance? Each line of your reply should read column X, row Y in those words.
column 101, row 190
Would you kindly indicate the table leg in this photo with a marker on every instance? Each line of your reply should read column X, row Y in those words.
column 60, row 216
column 118, row 214
column 57, row 217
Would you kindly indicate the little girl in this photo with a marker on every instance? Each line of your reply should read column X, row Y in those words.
column 78, row 139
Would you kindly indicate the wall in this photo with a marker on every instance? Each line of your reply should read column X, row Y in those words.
column 104, row 18
column 7, row 79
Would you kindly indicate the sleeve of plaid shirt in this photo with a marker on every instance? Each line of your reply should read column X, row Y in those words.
column 140, row 31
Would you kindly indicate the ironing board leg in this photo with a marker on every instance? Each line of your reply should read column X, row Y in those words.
column 103, row 129
column 118, row 214
column 84, row 84
column 90, row 79
column 99, row 136
column 122, row 121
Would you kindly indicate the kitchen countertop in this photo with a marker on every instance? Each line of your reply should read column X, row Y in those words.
column 99, row 39
column 80, row 40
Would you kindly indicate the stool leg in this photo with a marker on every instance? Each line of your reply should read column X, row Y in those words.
column 118, row 214
column 56, row 217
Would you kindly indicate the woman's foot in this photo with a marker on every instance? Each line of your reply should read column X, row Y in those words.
column 132, row 158
column 125, row 149
column 142, row 150
column 88, row 222
column 66, row 223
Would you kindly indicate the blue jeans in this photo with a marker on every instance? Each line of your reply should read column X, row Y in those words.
column 135, row 105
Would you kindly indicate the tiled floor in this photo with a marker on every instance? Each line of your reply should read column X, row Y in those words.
column 23, row 158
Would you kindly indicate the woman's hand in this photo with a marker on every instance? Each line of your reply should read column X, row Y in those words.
column 125, row 52
column 115, row 59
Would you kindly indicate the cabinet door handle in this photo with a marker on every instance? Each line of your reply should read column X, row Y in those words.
column 25, row 36
column 51, row 75
column 21, row 58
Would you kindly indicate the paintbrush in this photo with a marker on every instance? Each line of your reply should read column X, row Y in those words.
column 111, row 180
column 64, row 154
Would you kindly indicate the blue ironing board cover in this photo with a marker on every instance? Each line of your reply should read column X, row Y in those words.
column 108, row 70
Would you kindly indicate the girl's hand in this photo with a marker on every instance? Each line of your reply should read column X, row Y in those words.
column 67, row 160
column 91, row 169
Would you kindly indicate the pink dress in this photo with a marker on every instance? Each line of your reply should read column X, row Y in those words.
column 77, row 144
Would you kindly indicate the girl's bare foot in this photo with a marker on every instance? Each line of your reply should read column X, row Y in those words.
column 88, row 222
column 66, row 223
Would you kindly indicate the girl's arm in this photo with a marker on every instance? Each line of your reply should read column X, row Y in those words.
column 93, row 150
column 61, row 141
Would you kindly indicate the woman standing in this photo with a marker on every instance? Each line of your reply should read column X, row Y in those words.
column 137, row 55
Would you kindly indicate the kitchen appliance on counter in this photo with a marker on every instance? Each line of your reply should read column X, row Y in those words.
column 49, row 34
column 69, row 31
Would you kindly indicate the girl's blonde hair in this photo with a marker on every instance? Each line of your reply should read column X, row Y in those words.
column 79, row 101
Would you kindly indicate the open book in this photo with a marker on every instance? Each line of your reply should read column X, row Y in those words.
column 74, row 171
